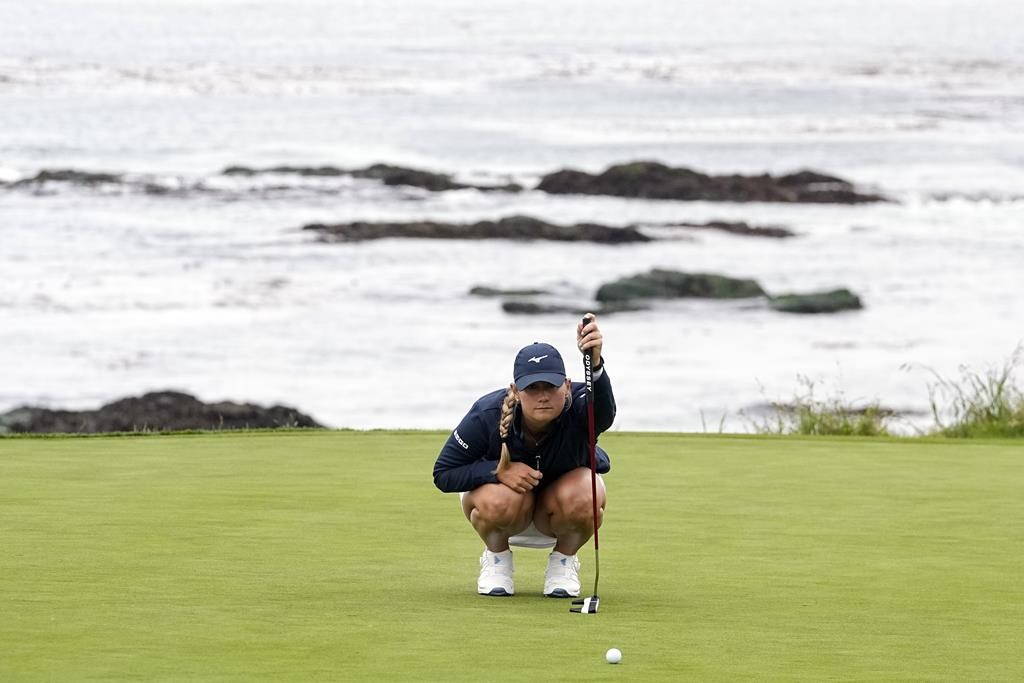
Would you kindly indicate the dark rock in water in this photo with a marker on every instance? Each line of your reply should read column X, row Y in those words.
column 397, row 175
column 653, row 180
column 807, row 178
column 491, row 291
column 671, row 284
column 309, row 171
column 741, row 228
column 514, row 228
column 157, row 411
column 387, row 174
column 427, row 180
column 609, row 307
column 534, row 308
column 69, row 176
column 817, row 302
column 517, row 307
column 435, row 182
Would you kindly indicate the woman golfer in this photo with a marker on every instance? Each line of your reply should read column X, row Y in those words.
column 519, row 458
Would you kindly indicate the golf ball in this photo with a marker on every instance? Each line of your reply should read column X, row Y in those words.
column 614, row 655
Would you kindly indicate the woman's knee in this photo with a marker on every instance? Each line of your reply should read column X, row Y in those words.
column 499, row 505
column 571, row 496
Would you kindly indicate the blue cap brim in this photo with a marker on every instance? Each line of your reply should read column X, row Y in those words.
column 552, row 378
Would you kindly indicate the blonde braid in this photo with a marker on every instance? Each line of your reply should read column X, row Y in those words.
column 507, row 413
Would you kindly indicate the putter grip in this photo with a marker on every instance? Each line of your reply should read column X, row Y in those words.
column 588, row 370
column 586, row 321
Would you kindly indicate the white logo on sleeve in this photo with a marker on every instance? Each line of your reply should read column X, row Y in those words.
column 459, row 439
column 537, row 359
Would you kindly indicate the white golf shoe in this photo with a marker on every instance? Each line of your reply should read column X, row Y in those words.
column 562, row 577
column 496, row 574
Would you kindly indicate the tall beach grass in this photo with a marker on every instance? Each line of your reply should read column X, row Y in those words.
column 980, row 403
column 834, row 415
column 986, row 403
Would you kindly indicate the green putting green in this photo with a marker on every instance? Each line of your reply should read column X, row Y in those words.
column 330, row 556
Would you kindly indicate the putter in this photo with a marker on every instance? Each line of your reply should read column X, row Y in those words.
column 589, row 605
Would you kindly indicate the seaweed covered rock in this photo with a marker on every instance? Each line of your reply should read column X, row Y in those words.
column 740, row 228
column 831, row 301
column 70, row 176
column 483, row 290
column 522, row 307
column 304, row 171
column 512, row 227
column 654, row 180
column 156, row 411
column 385, row 173
column 398, row 175
column 672, row 284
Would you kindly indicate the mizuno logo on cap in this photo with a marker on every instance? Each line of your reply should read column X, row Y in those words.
column 537, row 359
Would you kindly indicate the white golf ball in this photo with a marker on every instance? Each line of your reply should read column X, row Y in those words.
column 614, row 655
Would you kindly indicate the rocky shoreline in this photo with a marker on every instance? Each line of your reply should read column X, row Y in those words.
column 635, row 179
column 153, row 412
column 648, row 180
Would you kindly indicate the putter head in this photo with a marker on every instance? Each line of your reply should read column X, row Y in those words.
column 586, row 605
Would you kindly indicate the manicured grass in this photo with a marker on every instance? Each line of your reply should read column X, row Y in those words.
column 330, row 556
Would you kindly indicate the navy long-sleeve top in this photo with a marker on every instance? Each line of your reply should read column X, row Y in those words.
column 469, row 456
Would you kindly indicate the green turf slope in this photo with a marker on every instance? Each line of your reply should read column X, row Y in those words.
column 330, row 556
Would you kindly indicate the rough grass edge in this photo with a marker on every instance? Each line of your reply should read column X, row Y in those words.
column 808, row 415
column 985, row 403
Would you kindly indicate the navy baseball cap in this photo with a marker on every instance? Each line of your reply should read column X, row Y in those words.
column 538, row 362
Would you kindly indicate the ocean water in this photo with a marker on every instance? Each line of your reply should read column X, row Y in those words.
column 181, row 277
